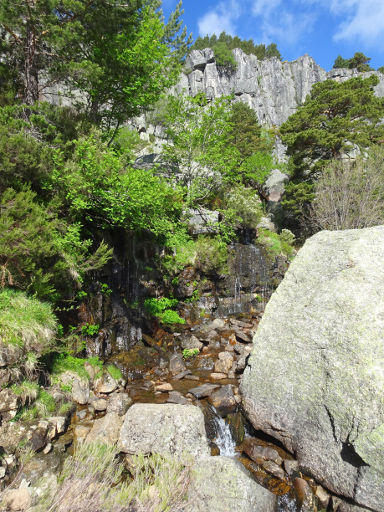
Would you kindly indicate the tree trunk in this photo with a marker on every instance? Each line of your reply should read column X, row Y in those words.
column 31, row 78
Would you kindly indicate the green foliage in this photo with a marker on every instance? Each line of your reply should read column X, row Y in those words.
column 119, row 55
column 161, row 309
column 333, row 118
column 90, row 329
column 277, row 244
column 243, row 208
column 65, row 362
column 99, row 189
column 359, row 61
column 25, row 321
column 211, row 255
column 188, row 353
column 224, row 56
column 381, row 69
column 229, row 42
column 105, row 289
column 114, row 372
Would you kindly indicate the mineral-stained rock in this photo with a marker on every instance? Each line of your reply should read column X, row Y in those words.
column 164, row 429
column 315, row 379
column 221, row 484
column 260, row 453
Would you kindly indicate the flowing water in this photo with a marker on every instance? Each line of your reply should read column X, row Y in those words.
column 224, row 440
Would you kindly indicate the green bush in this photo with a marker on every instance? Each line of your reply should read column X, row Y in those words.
column 26, row 321
column 160, row 308
column 212, row 255
column 190, row 352
column 277, row 244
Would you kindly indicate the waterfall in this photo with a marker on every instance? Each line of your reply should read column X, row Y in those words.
column 224, row 439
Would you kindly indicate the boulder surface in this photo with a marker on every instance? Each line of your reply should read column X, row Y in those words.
column 315, row 378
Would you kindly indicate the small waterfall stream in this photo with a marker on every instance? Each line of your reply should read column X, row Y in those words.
column 224, row 439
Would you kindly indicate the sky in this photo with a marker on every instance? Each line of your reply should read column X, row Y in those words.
column 322, row 28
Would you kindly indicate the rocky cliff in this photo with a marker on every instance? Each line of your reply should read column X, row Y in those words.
column 272, row 88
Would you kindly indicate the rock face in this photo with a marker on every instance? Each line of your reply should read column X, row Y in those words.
column 222, row 484
column 315, row 378
column 272, row 88
column 165, row 429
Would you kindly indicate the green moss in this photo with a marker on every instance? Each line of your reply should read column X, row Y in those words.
column 160, row 308
column 65, row 362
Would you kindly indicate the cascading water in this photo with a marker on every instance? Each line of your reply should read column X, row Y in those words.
column 224, row 440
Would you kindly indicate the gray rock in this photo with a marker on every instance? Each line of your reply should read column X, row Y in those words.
column 176, row 364
column 315, row 376
column 221, row 484
column 224, row 362
column 177, row 398
column 165, row 429
column 190, row 342
column 106, row 430
column 202, row 221
column 204, row 390
column 274, row 186
column 272, row 468
column 100, row 404
column 106, row 384
column 80, row 391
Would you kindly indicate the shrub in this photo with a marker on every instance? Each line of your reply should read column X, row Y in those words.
column 350, row 194
column 160, row 308
column 25, row 321
column 212, row 255
column 275, row 244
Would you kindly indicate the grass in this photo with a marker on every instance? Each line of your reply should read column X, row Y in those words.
column 36, row 402
column 276, row 244
column 65, row 362
column 26, row 321
column 114, row 372
column 94, row 480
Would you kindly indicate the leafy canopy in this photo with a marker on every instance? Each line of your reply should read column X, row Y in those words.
column 115, row 57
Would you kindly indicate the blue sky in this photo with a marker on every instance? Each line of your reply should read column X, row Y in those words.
column 321, row 28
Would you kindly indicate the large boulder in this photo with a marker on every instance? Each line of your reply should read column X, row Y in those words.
column 221, row 484
column 164, row 428
column 315, row 378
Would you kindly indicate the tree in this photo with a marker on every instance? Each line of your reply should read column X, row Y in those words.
column 359, row 61
column 120, row 56
column 350, row 194
column 334, row 119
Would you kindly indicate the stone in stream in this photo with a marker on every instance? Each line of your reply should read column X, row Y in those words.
column 119, row 403
column 224, row 362
column 164, row 387
column 218, row 376
column 176, row 364
column 223, row 400
column 260, row 453
column 204, row 390
column 315, row 378
column 274, row 469
column 164, row 429
column 190, row 342
column 177, row 398
column 222, row 484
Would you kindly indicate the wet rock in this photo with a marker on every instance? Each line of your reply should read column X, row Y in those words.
column 322, row 495
column 164, row 388
column 304, row 494
column 224, row 362
column 177, row 398
column 260, row 453
column 205, row 363
column 181, row 375
column 164, row 429
column 222, row 484
column 218, row 376
column 80, row 391
column 190, row 342
column 273, row 469
column 323, row 395
column 223, row 400
column 17, row 499
column 291, row 466
column 243, row 336
column 204, row 390
column 176, row 364
column 236, row 425
column 106, row 430
column 38, row 439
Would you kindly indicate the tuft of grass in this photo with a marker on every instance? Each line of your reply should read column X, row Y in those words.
column 93, row 479
column 65, row 362
column 64, row 408
column 190, row 352
column 114, row 372
column 26, row 321
column 27, row 391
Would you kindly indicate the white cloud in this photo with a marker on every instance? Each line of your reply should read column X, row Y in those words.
column 222, row 18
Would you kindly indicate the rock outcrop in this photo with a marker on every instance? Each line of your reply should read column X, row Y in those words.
column 273, row 89
column 315, row 379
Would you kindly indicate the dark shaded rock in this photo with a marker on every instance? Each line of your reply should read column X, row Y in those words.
column 273, row 469
column 236, row 425
column 260, row 453
column 38, row 439
column 223, row 400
